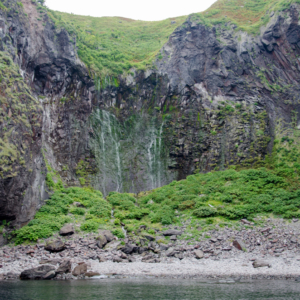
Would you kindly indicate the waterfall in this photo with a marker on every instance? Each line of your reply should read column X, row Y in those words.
column 154, row 155
column 130, row 156
column 124, row 231
column 151, row 157
column 107, row 151
column 159, row 153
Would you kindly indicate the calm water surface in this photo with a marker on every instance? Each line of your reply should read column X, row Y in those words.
column 128, row 289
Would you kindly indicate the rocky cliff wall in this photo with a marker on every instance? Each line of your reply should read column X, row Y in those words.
column 212, row 100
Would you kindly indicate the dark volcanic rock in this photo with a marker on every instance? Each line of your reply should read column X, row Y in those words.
column 127, row 249
column 64, row 267
column 41, row 272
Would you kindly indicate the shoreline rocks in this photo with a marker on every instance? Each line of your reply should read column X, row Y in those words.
column 220, row 249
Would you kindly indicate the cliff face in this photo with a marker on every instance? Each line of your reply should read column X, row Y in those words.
column 213, row 100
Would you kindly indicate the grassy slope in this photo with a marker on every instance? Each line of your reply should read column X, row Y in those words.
column 112, row 45
column 248, row 15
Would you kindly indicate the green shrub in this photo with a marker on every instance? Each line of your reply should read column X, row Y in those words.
column 118, row 232
column 40, row 228
column 189, row 204
column 122, row 201
column 204, row 212
column 89, row 226
column 164, row 215
column 77, row 211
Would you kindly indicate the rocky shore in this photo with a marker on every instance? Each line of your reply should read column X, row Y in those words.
column 271, row 251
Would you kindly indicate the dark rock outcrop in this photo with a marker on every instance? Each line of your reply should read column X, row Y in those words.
column 41, row 272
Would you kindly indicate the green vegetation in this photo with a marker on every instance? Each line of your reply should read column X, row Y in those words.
column 114, row 45
column 61, row 209
column 248, row 15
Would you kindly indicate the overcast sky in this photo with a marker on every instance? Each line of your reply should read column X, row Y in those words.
column 152, row 10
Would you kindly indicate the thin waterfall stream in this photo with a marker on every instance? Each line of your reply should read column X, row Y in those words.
column 129, row 155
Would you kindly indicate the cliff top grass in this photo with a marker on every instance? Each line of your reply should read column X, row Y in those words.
column 248, row 15
column 113, row 45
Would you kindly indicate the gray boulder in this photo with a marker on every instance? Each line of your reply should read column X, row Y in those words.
column 80, row 269
column 41, row 272
column 51, row 274
column 112, row 245
column 199, row 254
column 101, row 241
column 108, row 235
column 92, row 274
column 67, row 230
column 149, row 237
column 171, row 232
column 64, row 267
column 260, row 264
column 127, row 249
column 55, row 246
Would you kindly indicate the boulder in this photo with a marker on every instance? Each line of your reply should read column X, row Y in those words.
column 51, row 274
column 55, row 246
column 163, row 247
column 101, row 241
column 112, row 245
column 64, row 267
column 171, row 252
column 80, row 269
column 199, row 254
column 239, row 245
column 92, row 274
column 67, row 230
column 108, row 235
column 149, row 237
column 37, row 273
column 173, row 238
column 171, row 232
column 260, row 264
column 141, row 250
column 127, row 249
column 117, row 259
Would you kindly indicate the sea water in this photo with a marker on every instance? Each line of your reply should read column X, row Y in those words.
column 129, row 289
